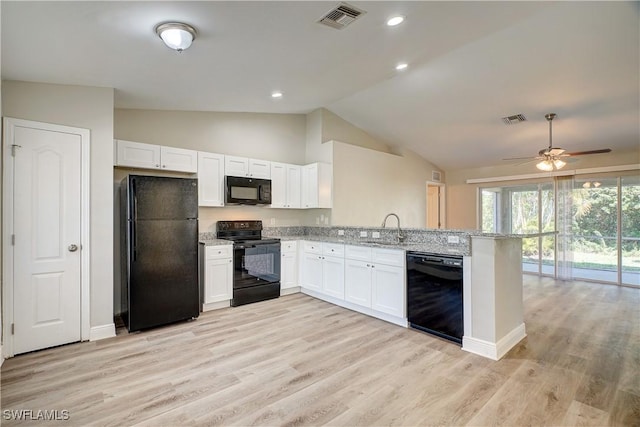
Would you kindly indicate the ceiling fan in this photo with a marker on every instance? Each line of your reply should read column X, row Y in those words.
column 551, row 157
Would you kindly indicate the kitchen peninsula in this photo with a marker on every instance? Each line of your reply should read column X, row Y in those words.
column 492, row 274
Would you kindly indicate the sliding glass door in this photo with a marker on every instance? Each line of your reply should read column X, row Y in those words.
column 595, row 229
column 588, row 226
column 630, row 230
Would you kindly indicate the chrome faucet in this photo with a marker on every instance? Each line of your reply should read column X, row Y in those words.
column 384, row 224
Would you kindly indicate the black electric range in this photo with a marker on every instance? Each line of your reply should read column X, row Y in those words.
column 256, row 261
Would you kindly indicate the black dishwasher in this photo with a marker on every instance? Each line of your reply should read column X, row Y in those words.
column 434, row 294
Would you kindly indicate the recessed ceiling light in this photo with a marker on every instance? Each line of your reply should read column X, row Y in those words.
column 395, row 20
column 401, row 66
column 276, row 95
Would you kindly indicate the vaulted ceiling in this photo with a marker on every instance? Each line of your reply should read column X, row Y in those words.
column 469, row 65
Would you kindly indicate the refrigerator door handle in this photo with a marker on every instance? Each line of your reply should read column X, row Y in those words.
column 134, row 240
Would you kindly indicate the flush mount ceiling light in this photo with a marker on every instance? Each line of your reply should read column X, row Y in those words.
column 176, row 35
column 276, row 95
column 401, row 66
column 395, row 20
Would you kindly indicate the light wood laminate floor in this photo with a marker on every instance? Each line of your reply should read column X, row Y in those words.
column 299, row 361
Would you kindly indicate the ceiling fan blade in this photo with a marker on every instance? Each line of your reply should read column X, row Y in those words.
column 520, row 158
column 580, row 153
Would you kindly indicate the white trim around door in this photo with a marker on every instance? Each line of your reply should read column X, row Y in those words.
column 9, row 127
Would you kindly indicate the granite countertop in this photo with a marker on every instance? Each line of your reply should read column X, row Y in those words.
column 215, row 242
column 409, row 246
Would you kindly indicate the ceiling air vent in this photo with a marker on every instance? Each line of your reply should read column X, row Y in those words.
column 514, row 120
column 341, row 16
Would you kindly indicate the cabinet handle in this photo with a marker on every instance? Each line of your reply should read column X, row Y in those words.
column 368, row 265
column 164, row 166
column 157, row 166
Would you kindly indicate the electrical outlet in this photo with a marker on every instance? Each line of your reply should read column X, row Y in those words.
column 340, row 232
column 375, row 234
column 363, row 234
column 453, row 239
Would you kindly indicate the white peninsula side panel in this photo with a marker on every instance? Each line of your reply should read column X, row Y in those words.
column 492, row 294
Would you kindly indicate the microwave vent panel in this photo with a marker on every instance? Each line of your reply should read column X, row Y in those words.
column 341, row 16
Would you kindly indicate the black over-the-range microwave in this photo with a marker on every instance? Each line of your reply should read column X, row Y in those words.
column 247, row 191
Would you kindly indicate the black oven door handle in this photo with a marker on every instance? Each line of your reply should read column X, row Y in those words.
column 246, row 246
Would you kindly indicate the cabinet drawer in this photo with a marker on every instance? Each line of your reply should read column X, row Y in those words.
column 312, row 247
column 216, row 252
column 287, row 247
column 333, row 249
column 361, row 253
column 387, row 256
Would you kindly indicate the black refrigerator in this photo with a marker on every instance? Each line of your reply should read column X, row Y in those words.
column 159, row 229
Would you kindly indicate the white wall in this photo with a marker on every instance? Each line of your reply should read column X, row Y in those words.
column 369, row 184
column 90, row 108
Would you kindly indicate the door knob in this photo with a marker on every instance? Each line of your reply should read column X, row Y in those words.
column 73, row 248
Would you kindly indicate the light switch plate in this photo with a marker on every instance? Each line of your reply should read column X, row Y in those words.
column 453, row 239
column 340, row 232
column 375, row 234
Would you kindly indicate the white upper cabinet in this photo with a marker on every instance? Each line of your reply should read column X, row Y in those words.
column 151, row 156
column 317, row 186
column 210, row 179
column 137, row 154
column 285, row 185
column 243, row 166
column 178, row 159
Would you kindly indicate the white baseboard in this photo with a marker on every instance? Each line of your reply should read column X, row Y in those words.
column 1, row 356
column 101, row 332
column 492, row 350
column 216, row 305
column 289, row 291
column 355, row 307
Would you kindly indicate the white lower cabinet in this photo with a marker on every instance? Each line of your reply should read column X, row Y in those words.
column 323, row 268
column 333, row 276
column 388, row 289
column 289, row 265
column 375, row 278
column 218, row 274
column 357, row 276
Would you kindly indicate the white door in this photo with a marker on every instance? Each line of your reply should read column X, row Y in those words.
column 47, row 228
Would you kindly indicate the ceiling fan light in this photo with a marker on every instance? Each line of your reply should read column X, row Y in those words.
column 176, row 35
column 559, row 164
column 596, row 184
column 586, row 185
column 545, row 165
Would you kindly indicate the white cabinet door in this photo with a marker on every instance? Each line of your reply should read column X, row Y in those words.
column 179, row 159
column 294, row 181
column 388, row 290
column 259, row 169
column 358, row 282
column 311, row 271
column 218, row 280
column 289, row 270
column 278, row 185
column 333, row 276
column 137, row 154
column 242, row 166
column 317, row 185
column 236, row 166
column 210, row 179
column 310, row 186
